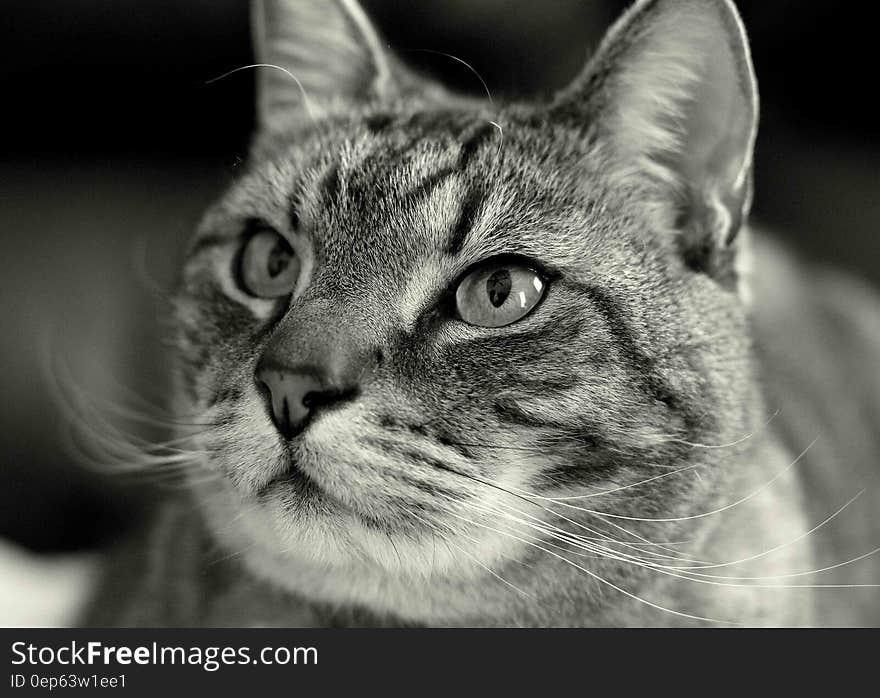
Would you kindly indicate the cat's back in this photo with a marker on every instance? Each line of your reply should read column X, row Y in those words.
column 817, row 336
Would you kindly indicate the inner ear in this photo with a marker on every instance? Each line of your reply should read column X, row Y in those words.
column 712, row 165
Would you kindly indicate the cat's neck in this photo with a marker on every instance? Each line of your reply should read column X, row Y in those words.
column 766, row 531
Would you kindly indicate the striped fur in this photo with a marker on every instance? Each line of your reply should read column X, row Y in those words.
column 542, row 473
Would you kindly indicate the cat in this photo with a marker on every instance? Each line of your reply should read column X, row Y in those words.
column 459, row 362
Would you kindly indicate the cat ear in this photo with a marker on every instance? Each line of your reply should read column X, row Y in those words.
column 321, row 52
column 672, row 92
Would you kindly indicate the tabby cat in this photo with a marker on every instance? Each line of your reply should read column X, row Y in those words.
column 457, row 362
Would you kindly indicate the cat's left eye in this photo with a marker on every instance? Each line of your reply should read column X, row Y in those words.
column 498, row 293
column 267, row 266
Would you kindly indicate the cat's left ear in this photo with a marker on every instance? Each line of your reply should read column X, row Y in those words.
column 322, row 52
column 671, row 93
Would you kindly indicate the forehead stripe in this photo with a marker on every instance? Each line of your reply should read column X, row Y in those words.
column 470, row 209
column 478, row 137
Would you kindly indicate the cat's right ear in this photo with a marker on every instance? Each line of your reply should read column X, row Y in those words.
column 315, row 53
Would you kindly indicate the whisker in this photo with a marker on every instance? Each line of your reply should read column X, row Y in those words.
column 688, row 573
column 231, row 555
column 695, row 577
column 139, row 265
column 501, row 143
column 730, row 444
column 306, row 102
column 792, row 575
column 753, row 494
column 787, row 543
column 595, row 544
column 599, row 578
column 66, row 391
column 555, row 513
column 474, row 559
column 103, row 446
column 458, row 60
column 612, row 491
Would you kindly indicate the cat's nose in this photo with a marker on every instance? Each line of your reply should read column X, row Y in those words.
column 295, row 394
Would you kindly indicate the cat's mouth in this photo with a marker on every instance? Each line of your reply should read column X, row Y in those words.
column 293, row 479
column 295, row 483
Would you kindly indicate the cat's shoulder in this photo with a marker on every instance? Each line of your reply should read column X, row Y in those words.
column 817, row 339
column 809, row 317
column 782, row 282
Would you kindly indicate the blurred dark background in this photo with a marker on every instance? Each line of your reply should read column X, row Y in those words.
column 113, row 144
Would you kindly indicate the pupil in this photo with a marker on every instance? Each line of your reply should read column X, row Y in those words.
column 279, row 258
column 498, row 287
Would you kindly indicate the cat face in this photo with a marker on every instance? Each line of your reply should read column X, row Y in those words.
column 436, row 336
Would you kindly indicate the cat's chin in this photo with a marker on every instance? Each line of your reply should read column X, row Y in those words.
column 293, row 482
column 324, row 508
column 297, row 523
column 299, row 538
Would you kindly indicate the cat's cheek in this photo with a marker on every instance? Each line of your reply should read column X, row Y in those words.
column 448, row 335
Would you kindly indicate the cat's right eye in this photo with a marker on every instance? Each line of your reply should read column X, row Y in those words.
column 267, row 265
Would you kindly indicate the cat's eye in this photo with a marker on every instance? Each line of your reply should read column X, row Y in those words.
column 268, row 266
column 498, row 293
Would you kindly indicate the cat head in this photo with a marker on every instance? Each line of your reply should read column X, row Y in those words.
column 438, row 337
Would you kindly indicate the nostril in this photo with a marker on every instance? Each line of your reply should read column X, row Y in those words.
column 312, row 400
column 324, row 398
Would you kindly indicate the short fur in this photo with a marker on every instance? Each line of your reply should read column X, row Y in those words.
column 605, row 460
